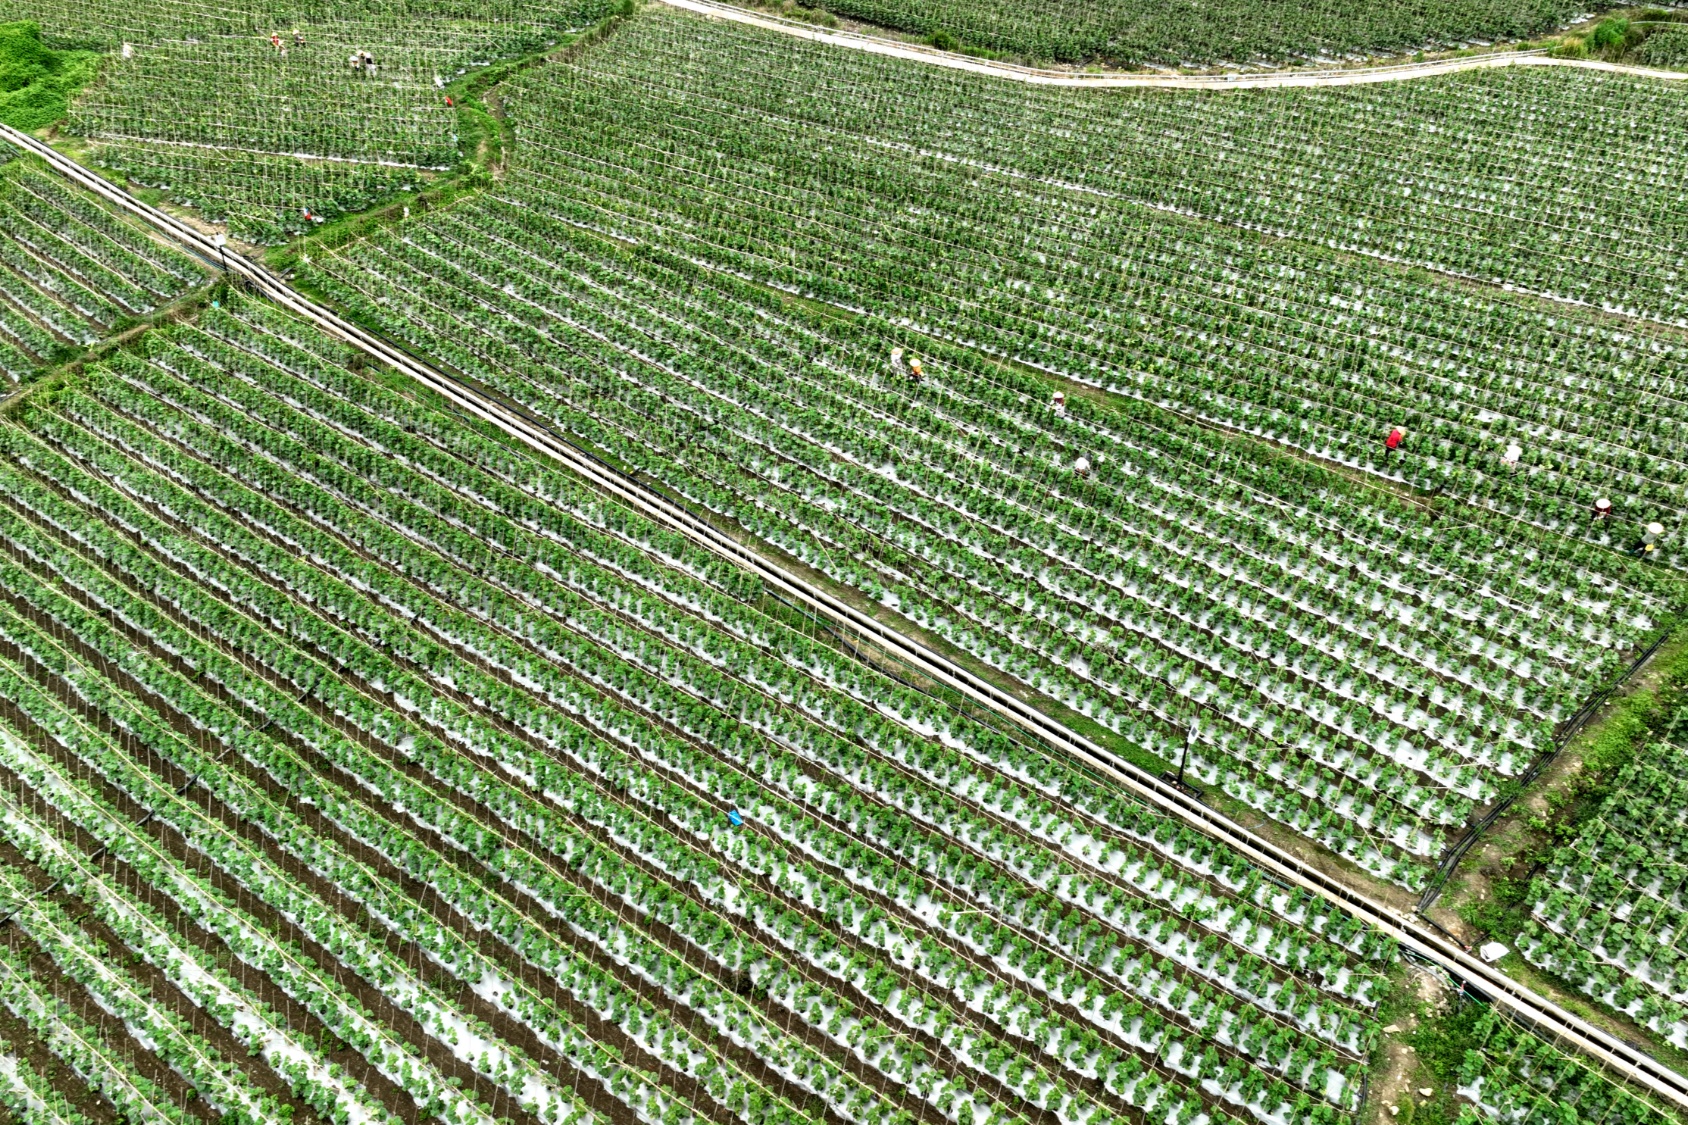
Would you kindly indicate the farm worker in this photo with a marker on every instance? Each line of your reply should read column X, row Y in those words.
column 1602, row 509
column 1059, row 402
column 1513, row 452
column 915, row 369
column 1650, row 540
column 369, row 64
column 128, row 51
column 298, row 38
column 275, row 40
column 1082, row 466
column 448, row 101
column 897, row 358
column 355, row 61
column 1394, row 440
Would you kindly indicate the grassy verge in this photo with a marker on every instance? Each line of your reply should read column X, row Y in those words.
column 1432, row 1050
column 1439, row 1043
column 1636, row 36
column 1489, row 898
column 792, row 10
column 1565, row 802
column 483, row 137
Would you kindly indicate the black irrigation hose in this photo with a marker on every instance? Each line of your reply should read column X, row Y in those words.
column 1455, row 853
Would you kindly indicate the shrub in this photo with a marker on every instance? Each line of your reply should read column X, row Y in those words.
column 1609, row 34
column 36, row 82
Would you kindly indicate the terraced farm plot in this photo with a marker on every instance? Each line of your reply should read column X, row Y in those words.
column 357, row 765
column 70, row 270
column 272, row 139
column 937, row 203
column 1364, row 666
column 1667, row 49
column 402, row 766
column 1607, row 913
column 1460, row 174
column 30, row 1097
column 107, row 24
column 241, row 94
column 1134, row 33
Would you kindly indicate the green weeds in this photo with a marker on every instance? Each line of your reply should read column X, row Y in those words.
column 1607, row 747
column 1653, row 37
column 37, row 82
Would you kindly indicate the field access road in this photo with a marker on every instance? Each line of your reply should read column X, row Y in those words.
column 1120, row 80
column 1642, row 1069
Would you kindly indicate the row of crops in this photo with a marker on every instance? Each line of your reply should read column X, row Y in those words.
column 71, row 271
column 1362, row 666
column 1608, row 911
column 366, row 769
column 1513, row 1075
column 877, row 187
column 1132, row 32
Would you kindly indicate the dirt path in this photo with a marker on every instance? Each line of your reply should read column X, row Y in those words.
column 1357, row 76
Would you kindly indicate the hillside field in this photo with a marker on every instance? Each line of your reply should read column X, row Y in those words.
column 589, row 563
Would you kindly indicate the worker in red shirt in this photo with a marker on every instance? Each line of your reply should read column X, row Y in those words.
column 1393, row 441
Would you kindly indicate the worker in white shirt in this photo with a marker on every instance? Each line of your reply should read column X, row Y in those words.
column 1650, row 539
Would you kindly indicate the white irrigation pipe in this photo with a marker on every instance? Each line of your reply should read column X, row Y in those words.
column 1357, row 76
column 1544, row 1014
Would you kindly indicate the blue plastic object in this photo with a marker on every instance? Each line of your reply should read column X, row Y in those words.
column 734, row 818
